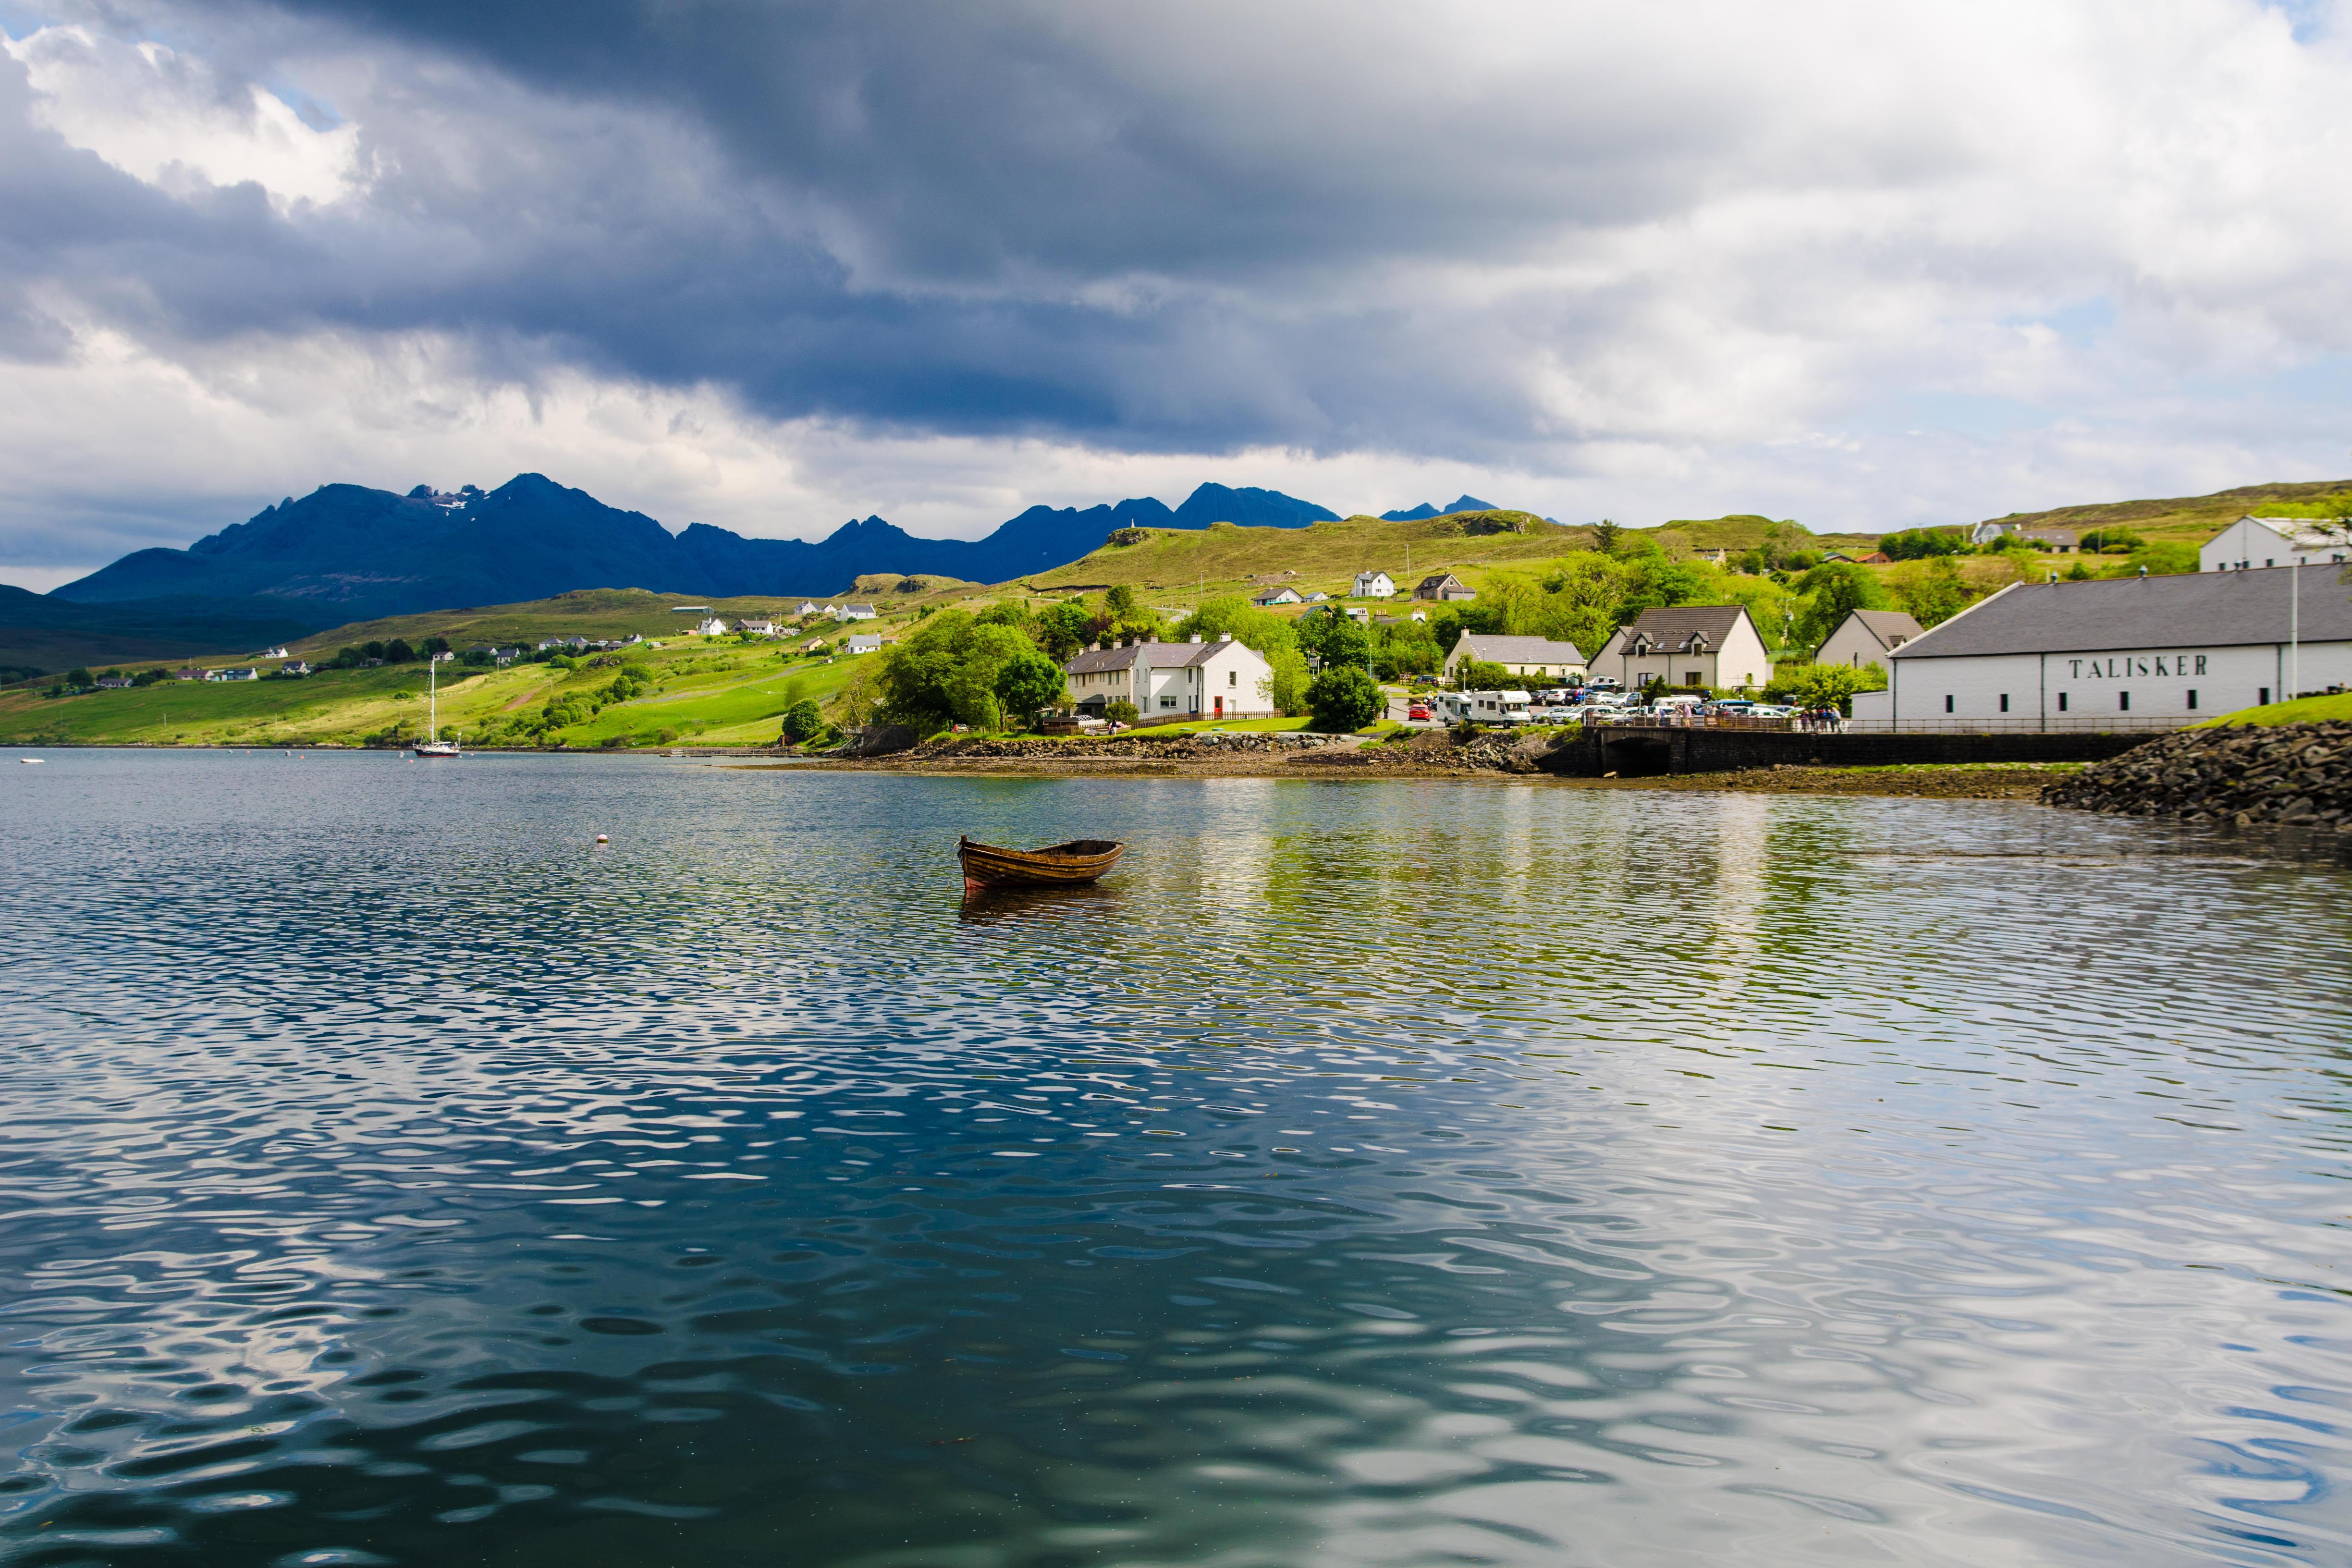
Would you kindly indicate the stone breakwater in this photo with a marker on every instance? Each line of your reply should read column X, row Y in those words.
column 1187, row 746
column 2289, row 774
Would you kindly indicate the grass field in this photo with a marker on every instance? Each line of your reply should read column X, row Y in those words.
column 710, row 693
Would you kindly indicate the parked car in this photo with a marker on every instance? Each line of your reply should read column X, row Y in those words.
column 1417, row 714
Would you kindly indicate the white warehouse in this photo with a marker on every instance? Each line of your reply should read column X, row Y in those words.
column 2132, row 652
column 2252, row 543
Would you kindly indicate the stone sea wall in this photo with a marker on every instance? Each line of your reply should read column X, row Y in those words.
column 2291, row 774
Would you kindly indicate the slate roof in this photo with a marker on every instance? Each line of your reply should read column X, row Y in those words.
column 1520, row 651
column 1673, row 628
column 1888, row 625
column 1155, row 655
column 2188, row 609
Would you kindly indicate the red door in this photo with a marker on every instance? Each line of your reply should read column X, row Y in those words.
column 1220, row 707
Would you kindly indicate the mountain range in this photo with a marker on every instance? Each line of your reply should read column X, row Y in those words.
column 346, row 553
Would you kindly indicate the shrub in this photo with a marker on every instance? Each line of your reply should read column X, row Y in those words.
column 1345, row 697
column 1120, row 713
column 802, row 720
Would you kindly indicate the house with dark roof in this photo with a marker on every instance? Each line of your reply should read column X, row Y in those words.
column 1443, row 585
column 1711, row 645
column 1166, row 681
column 1867, row 636
column 1536, row 658
column 2127, row 652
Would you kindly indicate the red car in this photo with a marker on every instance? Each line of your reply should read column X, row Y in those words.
column 1417, row 714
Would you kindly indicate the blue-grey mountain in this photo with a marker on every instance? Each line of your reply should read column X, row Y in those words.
column 1415, row 514
column 347, row 552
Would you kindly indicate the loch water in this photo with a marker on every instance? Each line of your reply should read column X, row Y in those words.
column 1387, row 1174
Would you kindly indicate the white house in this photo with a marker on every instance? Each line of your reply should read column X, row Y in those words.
column 232, row 675
column 1867, row 636
column 1359, row 614
column 2254, row 542
column 1375, row 585
column 291, row 666
column 854, row 613
column 1713, row 646
column 2128, row 652
column 1539, row 658
column 1198, row 679
column 862, row 642
column 271, row 653
column 1273, row 596
column 807, row 609
column 710, row 626
column 760, row 628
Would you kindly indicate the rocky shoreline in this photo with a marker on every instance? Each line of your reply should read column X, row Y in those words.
column 2294, row 776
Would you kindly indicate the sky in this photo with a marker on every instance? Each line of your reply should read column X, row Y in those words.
column 776, row 267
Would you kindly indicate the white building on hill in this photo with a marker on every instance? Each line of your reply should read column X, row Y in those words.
column 1375, row 585
column 1196, row 679
column 2128, row 652
column 2252, row 543
column 711, row 627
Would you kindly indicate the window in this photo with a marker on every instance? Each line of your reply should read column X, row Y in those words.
column 1168, row 702
column 2192, row 700
column 2123, row 701
column 2264, row 697
column 2062, row 702
column 1948, row 704
column 2004, row 702
column 1232, row 677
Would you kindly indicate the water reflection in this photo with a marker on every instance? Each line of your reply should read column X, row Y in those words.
column 1366, row 1174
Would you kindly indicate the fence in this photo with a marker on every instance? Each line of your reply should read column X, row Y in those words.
column 2101, row 724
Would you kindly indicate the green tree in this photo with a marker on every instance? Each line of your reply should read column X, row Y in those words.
column 1028, row 681
column 802, row 720
column 1121, row 602
column 1121, row 711
column 1477, row 675
column 945, row 671
column 1605, row 535
column 1330, row 635
column 77, row 675
column 1932, row 591
column 1832, row 592
column 1826, row 686
column 1345, row 697
column 2110, row 541
column 1063, row 629
column 397, row 651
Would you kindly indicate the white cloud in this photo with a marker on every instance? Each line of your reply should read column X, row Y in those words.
column 166, row 118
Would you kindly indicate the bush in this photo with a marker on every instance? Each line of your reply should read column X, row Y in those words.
column 802, row 720
column 1120, row 713
column 1026, row 683
column 1345, row 697
column 612, row 743
column 666, row 737
column 1477, row 675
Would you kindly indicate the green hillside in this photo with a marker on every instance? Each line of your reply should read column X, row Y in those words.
column 2184, row 519
column 710, row 691
column 1223, row 558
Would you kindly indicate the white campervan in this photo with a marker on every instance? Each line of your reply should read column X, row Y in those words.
column 1498, row 707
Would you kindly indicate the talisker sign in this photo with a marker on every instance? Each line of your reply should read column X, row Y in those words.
column 2123, row 666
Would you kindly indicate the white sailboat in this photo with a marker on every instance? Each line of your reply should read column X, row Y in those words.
column 432, row 745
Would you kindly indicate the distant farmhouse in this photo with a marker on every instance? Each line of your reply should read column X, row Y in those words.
column 1714, row 646
column 1273, row 596
column 1196, row 679
column 1444, row 585
column 1375, row 585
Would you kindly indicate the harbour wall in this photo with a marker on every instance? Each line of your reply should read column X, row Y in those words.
column 1631, row 752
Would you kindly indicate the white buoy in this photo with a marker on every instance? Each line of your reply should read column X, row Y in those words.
column 599, row 838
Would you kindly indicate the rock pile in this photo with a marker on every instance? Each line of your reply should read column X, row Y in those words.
column 2291, row 774
column 1136, row 746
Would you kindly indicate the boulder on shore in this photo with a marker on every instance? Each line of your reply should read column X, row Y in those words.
column 2295, row 775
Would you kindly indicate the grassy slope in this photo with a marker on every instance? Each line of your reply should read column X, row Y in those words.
column 600, row 613
column 712, row 693
column 2303, row 711
column 2187, row 520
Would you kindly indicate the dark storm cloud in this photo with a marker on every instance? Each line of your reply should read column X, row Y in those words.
column 969, row 220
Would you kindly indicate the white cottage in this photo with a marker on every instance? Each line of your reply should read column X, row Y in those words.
column 1196, row 679
column 710, row 626
column 1538, row 657
column 2129, row 652
column 1375, row 585
column 1866, row 637
column 1712, row 646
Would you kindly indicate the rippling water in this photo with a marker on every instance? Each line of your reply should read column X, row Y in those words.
column 1379, row 1174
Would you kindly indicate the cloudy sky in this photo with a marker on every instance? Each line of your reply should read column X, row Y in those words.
column 771, row 266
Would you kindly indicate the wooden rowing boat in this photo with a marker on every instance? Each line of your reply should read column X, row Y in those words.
column 1071, row 865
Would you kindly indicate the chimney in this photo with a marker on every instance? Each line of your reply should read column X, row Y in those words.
column 1196, row 636
column 1225, row 636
